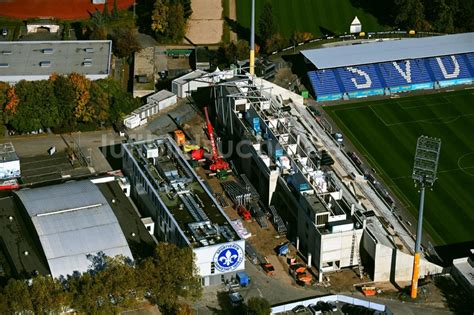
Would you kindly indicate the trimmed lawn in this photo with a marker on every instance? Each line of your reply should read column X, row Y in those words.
column 386, row 131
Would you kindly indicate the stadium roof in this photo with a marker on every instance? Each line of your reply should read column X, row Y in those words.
column 343, row 56
column 73, row 220
column 38, row 59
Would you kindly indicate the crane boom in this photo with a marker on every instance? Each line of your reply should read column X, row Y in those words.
column 210, row 131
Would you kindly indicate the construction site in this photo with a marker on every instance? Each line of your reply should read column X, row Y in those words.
column 301, row 214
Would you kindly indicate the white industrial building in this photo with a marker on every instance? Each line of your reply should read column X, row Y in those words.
column 73, row 220
column 186, row 84
column 166, row 189
column 463, row 272
column 154, row 104
column 9, row 162
column 37, row 60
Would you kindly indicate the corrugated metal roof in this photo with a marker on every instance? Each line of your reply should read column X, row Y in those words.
column 412, row 48
column 73, row 220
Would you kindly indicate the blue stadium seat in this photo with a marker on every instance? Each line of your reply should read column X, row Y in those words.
column 324, row 82
column 359, row 78
column 452, row 67
column 404, row 72
column 469, row 58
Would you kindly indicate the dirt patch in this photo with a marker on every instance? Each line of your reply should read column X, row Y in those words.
column 205, row 24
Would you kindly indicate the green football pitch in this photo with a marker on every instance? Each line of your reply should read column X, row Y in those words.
column 309, row 16
column 385, row 133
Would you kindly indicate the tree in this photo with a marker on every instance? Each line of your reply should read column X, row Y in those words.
column 159, row 17
column 169, row 274
column 17, row 296
column 276, row 42
column 410, row 14
column 125, row 43
column 48, row 296
column 105, row 12
column 98, row 103
column 176, row 23
column 258, row 306
column 81, row 85
column 66, row 99
column 242, row 49
column 266, row 23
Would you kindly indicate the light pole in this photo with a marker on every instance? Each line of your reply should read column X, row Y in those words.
column 424, row 175
column 252, row 40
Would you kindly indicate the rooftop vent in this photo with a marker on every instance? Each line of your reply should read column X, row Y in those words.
column 87, row 64
column 6, row 52
column 89, row 50
column 4, row 65
column 48, row 51
column 45, row 64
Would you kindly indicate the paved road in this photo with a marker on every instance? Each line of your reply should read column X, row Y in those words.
column 341, row 160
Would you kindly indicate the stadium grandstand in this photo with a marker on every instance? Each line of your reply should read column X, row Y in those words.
column 393, row 66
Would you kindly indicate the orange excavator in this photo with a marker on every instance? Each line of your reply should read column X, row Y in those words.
column 218, row 164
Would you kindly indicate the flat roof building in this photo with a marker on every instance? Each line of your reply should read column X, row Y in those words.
column 166, row 188
column 9, row 161
column 37, row 60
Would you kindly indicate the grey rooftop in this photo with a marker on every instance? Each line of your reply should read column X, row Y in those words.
column 392, row 50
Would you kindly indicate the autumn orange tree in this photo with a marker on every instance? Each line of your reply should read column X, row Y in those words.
column 81, row 85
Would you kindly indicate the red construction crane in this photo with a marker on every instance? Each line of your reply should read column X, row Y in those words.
column 218, row 164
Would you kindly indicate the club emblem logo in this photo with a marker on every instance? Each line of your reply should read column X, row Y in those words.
column 228, row 257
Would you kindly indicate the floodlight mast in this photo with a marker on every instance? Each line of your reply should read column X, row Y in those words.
column 424, row 175
column 252, row 40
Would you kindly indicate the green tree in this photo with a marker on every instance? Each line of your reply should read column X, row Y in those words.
column 98, row 103
column 125, row 43
column 266, row 23
column 28, row 112
column 66, row 99
column 258, row 306
column 159, row 17
column 176, row 23
column 171, row 273
column 242, row 49
column 89, row 295
column 410, row 14
column 48, row 296
column 105, row 12
column 17, row 296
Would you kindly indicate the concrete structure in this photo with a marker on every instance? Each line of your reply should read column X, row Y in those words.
column 277, row 152
column 463, row 272
column 9, row 162
column 38, row 60
column 184, row 85
column 155, row 103
column 356, row 26
column 166, row 189
column 73, row 220
column 144, row 72
column 33, row 27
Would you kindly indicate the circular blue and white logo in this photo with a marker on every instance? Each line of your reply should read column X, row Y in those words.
column 228, row 257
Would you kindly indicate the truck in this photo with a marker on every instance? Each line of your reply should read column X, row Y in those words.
column 244, row 213
column 301, row 276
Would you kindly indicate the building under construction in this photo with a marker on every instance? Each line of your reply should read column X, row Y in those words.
column 166, row 188
column 273, row 145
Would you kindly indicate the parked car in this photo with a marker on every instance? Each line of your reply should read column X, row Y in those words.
column 235, row 298
column 299, row 309
column 4, row 31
